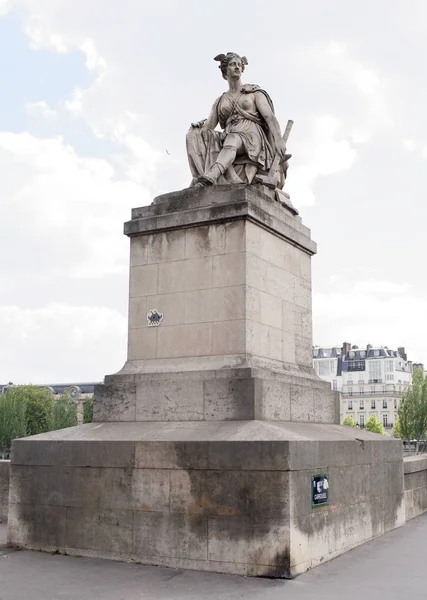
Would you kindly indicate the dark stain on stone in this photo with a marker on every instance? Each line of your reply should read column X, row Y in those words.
column 281, row 567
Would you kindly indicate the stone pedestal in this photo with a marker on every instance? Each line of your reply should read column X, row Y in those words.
column 204, row 445
column 228, row 267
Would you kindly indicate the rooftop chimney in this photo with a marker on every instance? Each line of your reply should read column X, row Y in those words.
column 346, row 347
column 402, row 353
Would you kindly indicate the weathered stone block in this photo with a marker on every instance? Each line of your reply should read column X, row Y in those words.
column 173, row 400
column 228, row 337
column 185, row 275
column 4, row 488
column 272, row 400
column 115, row 400
column 209, row 240
column 35, row 526
column 244, row 540
column 142, row 343
column 173, row 535
column 171, row 455
column 228, row 399
column 107, row 532
column 143, row 281
column 184, row 340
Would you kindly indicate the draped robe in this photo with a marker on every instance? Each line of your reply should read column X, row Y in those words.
column 259, row 149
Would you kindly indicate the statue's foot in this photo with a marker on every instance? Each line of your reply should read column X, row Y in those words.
column 204, row 181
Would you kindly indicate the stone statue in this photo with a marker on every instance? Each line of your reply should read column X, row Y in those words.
column 250, row 147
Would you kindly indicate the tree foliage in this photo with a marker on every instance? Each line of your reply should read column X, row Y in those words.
column 349, row 421
column 29, row 410
column 413, row 409
column 374, row 425
column 64, row 413
column 88, row 411
column 12, row 420
column 396, row 431
column 39, row 404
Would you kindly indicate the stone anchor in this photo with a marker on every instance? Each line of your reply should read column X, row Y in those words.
column 270, row 180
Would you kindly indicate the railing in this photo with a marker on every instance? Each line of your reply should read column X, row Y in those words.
column 391, row 393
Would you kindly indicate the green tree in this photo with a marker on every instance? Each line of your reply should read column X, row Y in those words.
column 12, row 419
column 374, row 425
column 88, row 411
column 39, row 403
column 413, row 409
column 396, row 431
column 64, row 413
column 349, row 421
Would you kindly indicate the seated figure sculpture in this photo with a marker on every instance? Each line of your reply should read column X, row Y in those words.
column 250, row 140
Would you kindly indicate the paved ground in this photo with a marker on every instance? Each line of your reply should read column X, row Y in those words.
column 391, row 567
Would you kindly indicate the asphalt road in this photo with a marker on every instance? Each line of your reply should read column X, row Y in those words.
column 393, row 566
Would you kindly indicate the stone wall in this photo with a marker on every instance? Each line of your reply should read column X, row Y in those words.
column 415, row 468
column 4, row 488
column 230, row 496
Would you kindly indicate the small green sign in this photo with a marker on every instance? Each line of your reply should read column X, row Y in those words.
column 319, row 490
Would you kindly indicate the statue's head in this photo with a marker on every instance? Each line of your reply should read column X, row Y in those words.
column 231, row 64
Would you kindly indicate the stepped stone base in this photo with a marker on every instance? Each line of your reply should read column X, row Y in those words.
column 204, row 445
column 231, row 497
column 221, row 395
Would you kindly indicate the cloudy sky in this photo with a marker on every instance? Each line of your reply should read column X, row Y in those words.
column 96, row 98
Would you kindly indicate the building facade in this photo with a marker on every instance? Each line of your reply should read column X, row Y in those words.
column 371, row 381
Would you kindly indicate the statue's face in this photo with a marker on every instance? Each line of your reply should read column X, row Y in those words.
column 234, row 68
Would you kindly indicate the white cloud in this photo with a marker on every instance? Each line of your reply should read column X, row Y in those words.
column 37, row 29
column 41, row 110
column 321, row 155
column 72, row 205
column 94, row 62
column 5, row 6
column 61, row 343
column 364, row 79
column 381, row 287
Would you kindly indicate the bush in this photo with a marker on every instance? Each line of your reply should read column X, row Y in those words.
column 349, row 421
column 374, row 425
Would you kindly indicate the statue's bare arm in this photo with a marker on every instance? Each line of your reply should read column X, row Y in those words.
column 211, row 122
column 269, row 117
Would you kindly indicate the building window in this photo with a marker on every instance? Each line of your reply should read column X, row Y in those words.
column 384, row 389
column 350, row 405
column 334, row 385
column 395, row 403
column 389, row 366
column 372, row 389
column 362, row 405
column 362, row 420
column 376, row 352
column 374, row 370
column 350, row 391
column 350, row 381
column 385, row 420
column 361, row 390
column 384, row 403
column 372, row 404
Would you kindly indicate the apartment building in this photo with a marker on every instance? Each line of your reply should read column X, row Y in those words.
column 371, row 380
